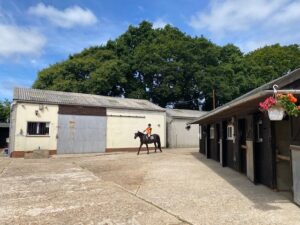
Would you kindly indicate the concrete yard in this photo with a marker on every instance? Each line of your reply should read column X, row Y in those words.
column 178, row 186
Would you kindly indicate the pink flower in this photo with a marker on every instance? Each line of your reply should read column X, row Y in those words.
column 269, row 102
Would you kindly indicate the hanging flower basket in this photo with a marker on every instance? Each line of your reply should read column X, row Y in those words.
column 276, row 113
column 279, row 105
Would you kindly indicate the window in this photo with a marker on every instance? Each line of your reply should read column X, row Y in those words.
column 259, row 131
column 212, row 132
column 38, row 128
column 230, row 132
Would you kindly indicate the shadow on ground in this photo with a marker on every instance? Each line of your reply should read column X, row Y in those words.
column 254, row 192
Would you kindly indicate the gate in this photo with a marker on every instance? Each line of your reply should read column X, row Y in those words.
column 81, row 134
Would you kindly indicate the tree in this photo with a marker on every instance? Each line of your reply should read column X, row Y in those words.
column 169, row 68
column 4, row 111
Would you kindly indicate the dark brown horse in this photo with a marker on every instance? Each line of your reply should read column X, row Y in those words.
column 146, row 140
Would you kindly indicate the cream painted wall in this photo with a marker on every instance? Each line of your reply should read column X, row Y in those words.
column 179, row 137
column 25, row 112
column 120, row 130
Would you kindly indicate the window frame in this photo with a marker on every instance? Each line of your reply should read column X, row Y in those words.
column 230, row 127
column 37, row 133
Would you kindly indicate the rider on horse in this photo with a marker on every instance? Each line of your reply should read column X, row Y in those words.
column 148, row 130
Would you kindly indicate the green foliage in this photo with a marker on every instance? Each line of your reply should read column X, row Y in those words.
column 290, row 108
column 4, row 111
column 168, row 67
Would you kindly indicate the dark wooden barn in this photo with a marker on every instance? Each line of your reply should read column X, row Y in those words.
column 241, row 137
column 4, row 134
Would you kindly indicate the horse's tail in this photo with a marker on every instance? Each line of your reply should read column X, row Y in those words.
column 158, row 142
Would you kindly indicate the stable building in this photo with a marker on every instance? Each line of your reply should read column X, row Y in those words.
column 62, row 122
column 179, row 133
column 238, row 135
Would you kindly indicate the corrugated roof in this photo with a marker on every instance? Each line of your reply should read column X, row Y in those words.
column 68, row 98
column 185, row 113
column 260, row 91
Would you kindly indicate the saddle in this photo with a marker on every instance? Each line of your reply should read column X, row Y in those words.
column 150, row 138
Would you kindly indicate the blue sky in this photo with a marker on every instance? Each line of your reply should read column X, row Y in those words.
column 35, row 34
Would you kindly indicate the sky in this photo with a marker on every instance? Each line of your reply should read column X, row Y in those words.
column 35, row 34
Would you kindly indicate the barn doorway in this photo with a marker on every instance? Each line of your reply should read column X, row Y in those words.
column 81, row 129
column 81, row 134
column 4, row 134
column 282, row 133
column 242, row 145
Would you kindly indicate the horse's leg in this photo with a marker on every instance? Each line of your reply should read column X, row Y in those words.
column 155, row 146
column 147, row 148
column 139, row 149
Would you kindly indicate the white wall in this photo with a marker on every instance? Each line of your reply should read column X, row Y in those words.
column 179, row 137
column 25, row 112
column 121, row 129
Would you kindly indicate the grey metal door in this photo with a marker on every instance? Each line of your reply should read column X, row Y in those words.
column 81, row 134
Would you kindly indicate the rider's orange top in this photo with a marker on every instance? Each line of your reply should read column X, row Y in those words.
column 148, row 130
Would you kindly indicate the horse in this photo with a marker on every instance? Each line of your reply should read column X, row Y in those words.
column 146, row 140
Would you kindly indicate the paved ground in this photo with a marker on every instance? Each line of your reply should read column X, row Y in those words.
column 174, row 187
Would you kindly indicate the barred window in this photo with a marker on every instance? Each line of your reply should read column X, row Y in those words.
column 38, row 128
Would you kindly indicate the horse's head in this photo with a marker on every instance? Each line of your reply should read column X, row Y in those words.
column 137, row 134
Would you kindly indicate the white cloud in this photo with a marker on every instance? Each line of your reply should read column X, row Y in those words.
column 6, row 17
column 287, row 15
column 159, row 23
column 253, row 44
column 67, row 18
column 234, row 15
column 252, row 23
column 16, row 41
